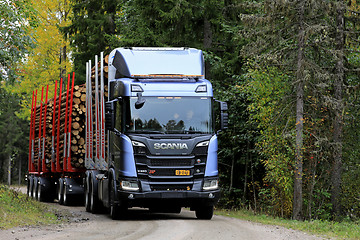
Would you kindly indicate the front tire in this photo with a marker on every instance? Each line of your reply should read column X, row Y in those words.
column 117, row 210
column 205, row 212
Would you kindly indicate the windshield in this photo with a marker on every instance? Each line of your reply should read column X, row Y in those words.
column 170, row 115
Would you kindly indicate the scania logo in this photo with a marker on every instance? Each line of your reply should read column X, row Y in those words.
column 170, row 146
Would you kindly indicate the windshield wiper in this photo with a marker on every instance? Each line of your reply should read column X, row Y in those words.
column 185, row 132
column 193, row 131
column 148, row 131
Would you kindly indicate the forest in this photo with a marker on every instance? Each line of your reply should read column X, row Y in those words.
column 289, row 70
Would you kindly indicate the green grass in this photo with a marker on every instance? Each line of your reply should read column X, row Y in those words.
column 17, row 209
column 326, row 229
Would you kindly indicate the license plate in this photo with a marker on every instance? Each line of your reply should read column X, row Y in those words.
column 182, row 172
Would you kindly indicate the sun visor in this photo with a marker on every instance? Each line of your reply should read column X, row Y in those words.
column 158, row 62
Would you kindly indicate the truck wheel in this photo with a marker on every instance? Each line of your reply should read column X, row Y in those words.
column 29, row 185
column 117, row 211
column 60, row 190
column 94, row 201
column 204, row 212
column 87, row 193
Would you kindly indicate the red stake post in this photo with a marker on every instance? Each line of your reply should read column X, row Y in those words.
column 69, row 167
column 65, row 128
column 32, row 168
column 31, row 149
column 40, row 126
column 58, row 167
column 44, row 168
column 53, row 167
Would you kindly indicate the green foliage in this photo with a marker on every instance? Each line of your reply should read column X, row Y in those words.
column 91, row 22
column 267, row 91
column 14, row 131
column 14, row 40
column 323, row 228
column 17, row 209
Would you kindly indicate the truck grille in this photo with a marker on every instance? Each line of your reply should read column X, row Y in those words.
column 175, row 187
column 174, row 169
column 172, row 162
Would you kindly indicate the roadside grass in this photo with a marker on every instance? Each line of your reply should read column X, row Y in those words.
column 17, row 209
column 325, row 229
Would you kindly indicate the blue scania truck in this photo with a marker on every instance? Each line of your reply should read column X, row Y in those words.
column 149, row 140
column 160, row 147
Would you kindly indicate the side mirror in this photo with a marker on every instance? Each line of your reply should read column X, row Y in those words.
column 140, row 102
column 110, row 115
column 224, row 116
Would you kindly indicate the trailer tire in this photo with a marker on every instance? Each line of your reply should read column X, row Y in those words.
column 87, row 192
column 60, row 190
column 204, row 212
column 40, row 192
column 34, row 188
column 30, row 185
column 66, row 200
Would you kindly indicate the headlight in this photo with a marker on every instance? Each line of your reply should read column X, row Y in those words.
column 137, row 144
column 203, row 144
column 129, row 185
column 211, row 184
column 139, row 147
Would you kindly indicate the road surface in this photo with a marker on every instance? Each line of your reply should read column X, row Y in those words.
column 148, row 226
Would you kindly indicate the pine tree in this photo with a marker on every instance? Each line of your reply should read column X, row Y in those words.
column 297, row 38
column 92, row 23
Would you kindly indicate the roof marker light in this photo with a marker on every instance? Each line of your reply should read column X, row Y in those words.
column 201, row 88
column 136, row 88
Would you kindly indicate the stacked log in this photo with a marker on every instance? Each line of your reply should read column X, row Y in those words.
column 57, row 128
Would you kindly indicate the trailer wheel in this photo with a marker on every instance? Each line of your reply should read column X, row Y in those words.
column 66, row 200
column 60, row 190
column 204, row 212
column 34, row 188
column 29, row 185
column 40, row 192
column 87, row 193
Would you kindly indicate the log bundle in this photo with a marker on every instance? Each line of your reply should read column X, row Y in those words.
column 55, row 119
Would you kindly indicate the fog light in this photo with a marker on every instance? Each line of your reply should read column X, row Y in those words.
column 129, row 185
column 131, row 196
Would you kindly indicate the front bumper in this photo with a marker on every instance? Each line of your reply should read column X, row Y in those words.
column 180, row 198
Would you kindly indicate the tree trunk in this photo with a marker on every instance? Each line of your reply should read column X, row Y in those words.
column 20, row 170
column 9, row 170
column 298, row 171
column 207, row 44
column 337, row 153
